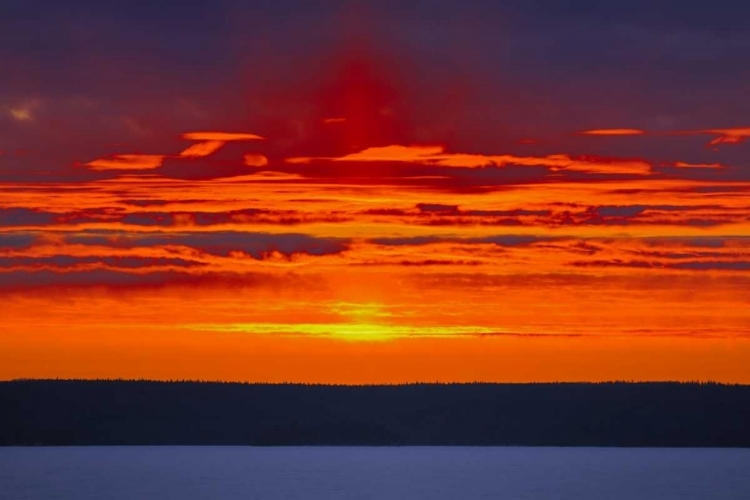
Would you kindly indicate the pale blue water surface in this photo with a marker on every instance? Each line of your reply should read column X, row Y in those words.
column 434, row 473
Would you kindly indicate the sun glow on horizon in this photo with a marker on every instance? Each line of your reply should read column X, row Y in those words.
column 370, row 233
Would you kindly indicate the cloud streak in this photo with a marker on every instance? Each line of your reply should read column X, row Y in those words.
column 437, row 156
column 363, row 219
column 723, row 136
column 127, row 162
column 614, row 131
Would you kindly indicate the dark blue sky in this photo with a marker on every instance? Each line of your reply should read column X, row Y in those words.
column 90, row 76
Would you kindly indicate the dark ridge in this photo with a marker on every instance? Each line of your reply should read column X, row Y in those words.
column 74, row 412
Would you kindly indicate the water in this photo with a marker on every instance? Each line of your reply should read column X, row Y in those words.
column 217, row 473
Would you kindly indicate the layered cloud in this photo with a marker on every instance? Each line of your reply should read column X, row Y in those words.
column 378, row 249
column 515, row 191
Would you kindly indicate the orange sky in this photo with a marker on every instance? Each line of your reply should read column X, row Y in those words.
column 356, row 253
column 597, row 269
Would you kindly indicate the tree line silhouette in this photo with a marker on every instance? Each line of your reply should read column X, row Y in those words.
column 74, row 412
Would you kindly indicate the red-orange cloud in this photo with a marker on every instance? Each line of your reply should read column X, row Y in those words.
column 723, row 135
column 255, row 160
column 728, row 136
column 614, row 131
column 682, row 164
column 202, row 149
column 127, row 162
column 209, row 143
column 221, row 136
column 436, row 155
column 212, row 142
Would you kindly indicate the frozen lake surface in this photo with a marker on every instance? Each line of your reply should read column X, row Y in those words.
column 434, row 473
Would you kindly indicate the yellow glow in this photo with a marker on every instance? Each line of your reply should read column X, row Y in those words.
column 21, row 114
column 351, row 332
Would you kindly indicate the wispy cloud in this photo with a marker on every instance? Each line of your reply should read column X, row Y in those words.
column 127, row 162
column 728, row 136
column 209, row 143
column 436, row 155
column 24, row 111
column 614, row 131
column 723, row 136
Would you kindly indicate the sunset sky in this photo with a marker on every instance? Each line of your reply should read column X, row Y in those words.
column 339, row 192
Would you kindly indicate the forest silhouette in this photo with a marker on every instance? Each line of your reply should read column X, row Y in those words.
column 72, row 412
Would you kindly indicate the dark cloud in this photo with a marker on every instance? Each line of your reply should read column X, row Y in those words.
column 17, row 240
column 654, row 264
column 24, row 217
column 64, row 261
column 51, row 279
column 703, row 265
column 220, row 243
column 501, row 240
column 437, row 208
column 621, row 211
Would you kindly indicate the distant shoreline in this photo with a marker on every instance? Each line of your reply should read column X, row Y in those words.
column 379, row 384
column 151, row 413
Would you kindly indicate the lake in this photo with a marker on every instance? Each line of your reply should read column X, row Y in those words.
column 435, row 473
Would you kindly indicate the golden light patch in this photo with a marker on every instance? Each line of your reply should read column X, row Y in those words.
column 348, row 332
column 21, row 114
column 24, row 111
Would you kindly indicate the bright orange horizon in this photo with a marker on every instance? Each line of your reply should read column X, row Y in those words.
column 348, row 229
column 374, row 277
